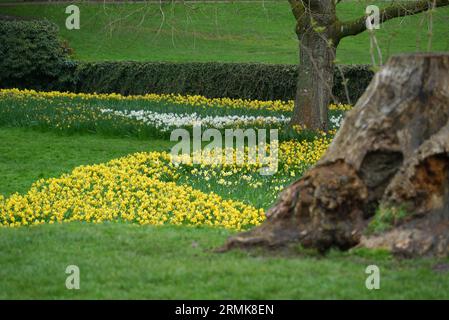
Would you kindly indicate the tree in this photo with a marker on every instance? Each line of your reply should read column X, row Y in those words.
column 319, row 32
column 388, row 167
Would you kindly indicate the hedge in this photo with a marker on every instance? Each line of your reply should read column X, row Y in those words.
column 31, row 56
column 213, row 79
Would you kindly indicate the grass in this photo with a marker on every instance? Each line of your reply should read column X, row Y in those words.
column 387, row 217
column 233, row 32
column 177, row 263
column 28, row 155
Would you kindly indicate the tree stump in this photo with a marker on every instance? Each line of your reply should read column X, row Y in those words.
column 392, row 152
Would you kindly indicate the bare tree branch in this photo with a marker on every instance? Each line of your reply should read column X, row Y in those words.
column 352, row 28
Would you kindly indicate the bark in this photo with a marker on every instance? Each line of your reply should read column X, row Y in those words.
column 392, row 150
column 316, row 31
column 315, row 82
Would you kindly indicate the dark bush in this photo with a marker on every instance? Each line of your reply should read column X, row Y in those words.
column 31, row 55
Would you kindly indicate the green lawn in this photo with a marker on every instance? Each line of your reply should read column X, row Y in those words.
column 222, row 32
column 129, row 261
column 28, row 155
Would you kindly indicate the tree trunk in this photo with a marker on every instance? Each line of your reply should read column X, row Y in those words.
column 318, row 39
column 315, row 82
column 392, row 150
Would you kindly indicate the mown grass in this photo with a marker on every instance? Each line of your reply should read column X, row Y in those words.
column 127, row 261
column 232, row 32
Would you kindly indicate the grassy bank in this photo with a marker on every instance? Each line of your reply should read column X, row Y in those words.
column 232, row 32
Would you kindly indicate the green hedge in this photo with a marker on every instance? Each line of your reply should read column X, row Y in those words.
column 233, row 80
column 31, row 54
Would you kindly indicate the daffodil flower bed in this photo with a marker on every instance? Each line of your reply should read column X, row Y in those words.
column 245, row 182
column 139, row 116
column 129, row 190
column 189, row 100
column 148, row 188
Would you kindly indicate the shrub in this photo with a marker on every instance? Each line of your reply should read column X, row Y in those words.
column 31, row 56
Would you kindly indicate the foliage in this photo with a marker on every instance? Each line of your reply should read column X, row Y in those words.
column 31, row 55
column 256, row 81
